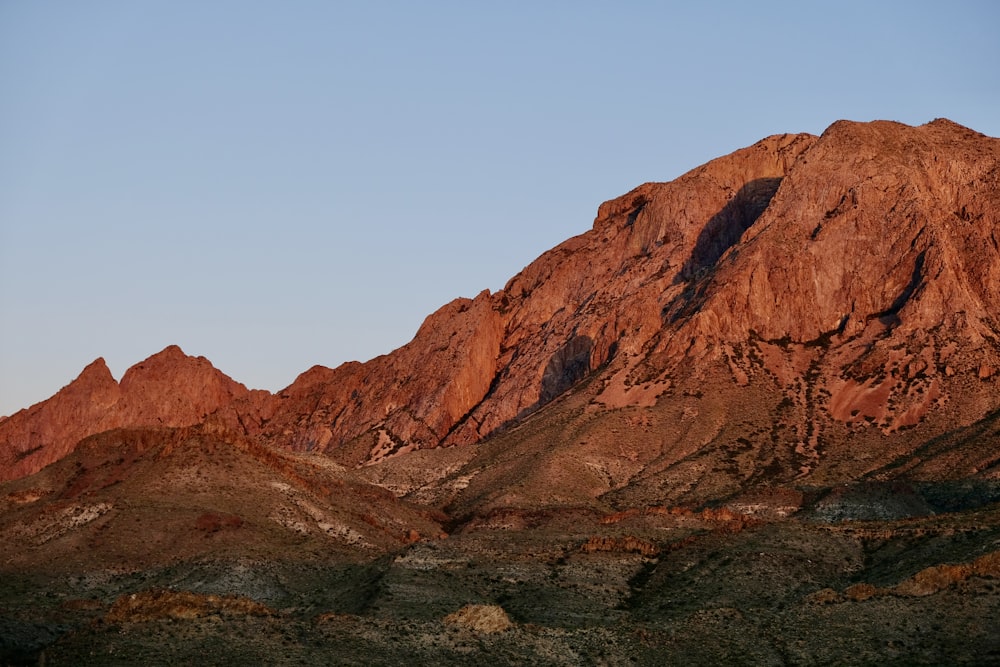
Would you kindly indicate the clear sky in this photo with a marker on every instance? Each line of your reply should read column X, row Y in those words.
column 280, row 184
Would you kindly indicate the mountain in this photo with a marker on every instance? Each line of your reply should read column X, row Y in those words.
column 477, row 366
column 167, row 389
column 751, row 415
column 808, row 309
column 851, row 278
column 847, row 283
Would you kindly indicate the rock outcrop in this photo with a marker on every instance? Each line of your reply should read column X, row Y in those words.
column 869, row 286
column 406, row 400
column 162, row 603
column 167, row 389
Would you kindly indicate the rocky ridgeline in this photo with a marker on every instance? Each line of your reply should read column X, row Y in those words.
column 857, row 270
column 857, row 273
column 167, row 389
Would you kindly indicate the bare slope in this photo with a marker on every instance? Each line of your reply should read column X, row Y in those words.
column 134, row 499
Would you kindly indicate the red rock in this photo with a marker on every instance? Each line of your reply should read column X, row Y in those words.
column 408, row 399
column 167, row 389
column 47, row 431
column 173, row 389
column 859, row 241
column 856, row 274
column 476, row 366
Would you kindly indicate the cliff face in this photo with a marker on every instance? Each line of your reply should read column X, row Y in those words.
column 855, row 274
column 395, row 403
column 475, row 367
column 866, row 258
column 875, row 271
column 877, row 222
column 167, row 389
column 49, row 430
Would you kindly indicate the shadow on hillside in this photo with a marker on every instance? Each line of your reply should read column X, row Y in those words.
column 726, row 227
column 570, row 364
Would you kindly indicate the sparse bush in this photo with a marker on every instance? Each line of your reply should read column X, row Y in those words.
column 487, row 618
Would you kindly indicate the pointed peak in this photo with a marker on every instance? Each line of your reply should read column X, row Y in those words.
column 168, row 356
column 170, row 351
column 172, row 366
column 96, row 370
column 171, row 356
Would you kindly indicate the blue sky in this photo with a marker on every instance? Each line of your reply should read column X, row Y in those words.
column 280, row 184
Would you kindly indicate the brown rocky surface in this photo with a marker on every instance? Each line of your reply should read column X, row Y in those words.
column 47, row 431
column 875, row 268
column 169, row 388
column 193, row 491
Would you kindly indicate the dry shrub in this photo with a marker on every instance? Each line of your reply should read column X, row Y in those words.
column 159, row 603
column 987, row 566
column 860, row 592
column 824, row 596
column 486, row 618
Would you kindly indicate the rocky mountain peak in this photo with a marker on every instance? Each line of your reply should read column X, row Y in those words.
column 877, row 222
column 871, row 227
column 169, row 388
column 96, row 372
column 175, row 389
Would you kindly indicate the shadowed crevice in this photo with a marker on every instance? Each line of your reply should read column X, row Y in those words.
column 726, row 227
column 889, row 316
column 569, row 365
column 720, row 233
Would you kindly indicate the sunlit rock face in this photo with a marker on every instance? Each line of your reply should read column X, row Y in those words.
column 855, row 275
column 865, row 258
column 169, row 388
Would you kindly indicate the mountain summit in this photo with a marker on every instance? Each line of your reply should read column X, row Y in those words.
column 169, row 388
column 751, row 415
column 852, row 277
